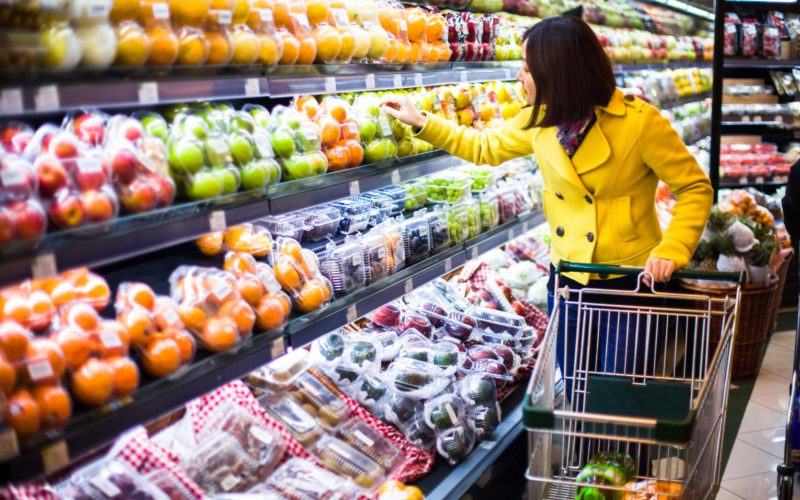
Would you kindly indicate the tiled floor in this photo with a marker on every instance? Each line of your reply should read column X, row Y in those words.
column 751, row 470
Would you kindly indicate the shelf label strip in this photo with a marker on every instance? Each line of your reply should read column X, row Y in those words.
column 44, row 266
column 148, row 93
column 55, row 457
column 11, row 101
column 47, row 99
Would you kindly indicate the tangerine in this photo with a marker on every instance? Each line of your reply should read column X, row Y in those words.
column 434, row 27
column 338, row 158
column 96, row 291
column 387, row 19
column 111, row 339
column 63, row 293
column 54, row 404
column 123, row 9
column 126, row 375
column 331, row 131
column 75, row 345
column 186, row 345
column 246, row 46
column 417, row 24
column 391, row 52
column 287, row 275
column 271, row 50
column 280, row 14
column 93, row 382
column 307, row 51
column 329, row 43
column 210, row 243
column 161, row 358
column 338, row 111
column 311, row 297
column 141, row 294
column 220, row 48
column 14, row 340
column 317, row 11
column 193, row 47
column 81, row 315
column 241, row 9
column 45, row 350
column 286, row 303
column 166, row 315
column 163, row 46
column 8, row 377
column 133, row 45
column 220, row 334
column 403, row 51
column 356, row 152
column 350, row 130
column 17, row 308
column 139, row 325
column 348, row 45
column 251, row 289
column 43, row 309
column 270, row 313
column 22, row 413
column 415, row 53
column 238, row 263
column 291, row 48
column 192, row 316
column 241, row 313
column 189, row 13
column 307, row 104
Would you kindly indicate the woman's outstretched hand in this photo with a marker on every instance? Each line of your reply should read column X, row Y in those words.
column 401, row 108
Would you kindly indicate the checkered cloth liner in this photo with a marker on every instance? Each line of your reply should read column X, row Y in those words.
column 418, row 462
column 137, row 450
column 28, row 491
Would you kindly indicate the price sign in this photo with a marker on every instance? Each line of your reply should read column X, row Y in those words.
column 46, row 98
column 148, row 93
column 330, row 84
column 352, row 315
column 252, row 87
column 398, row 81
column 55, row 457
column 160, row 11
column 448, row 265
column 369, row 81
column 418, row 79
column 409, row 286
column 11, row 101
column 216, row 221
column 278, row 348
column 44, row 266
column 355, row 188
column 395, row 176
column 463, row 77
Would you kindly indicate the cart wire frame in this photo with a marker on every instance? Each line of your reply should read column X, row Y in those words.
column 666, row 408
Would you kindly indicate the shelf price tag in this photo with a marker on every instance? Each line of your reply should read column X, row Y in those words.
column 355, row 188
column 369, row 81
column 742, row 180
column 216, row 221
column 252, row 87
column 395, row 176
column 278, row 348
column 46, row 98
column 11, row 101
column 509, row 73
column 510, row 235
column 759, row 180
column 448, row 265
column 55, row 457
column 418, row 79
column 398, row 81
column 44, row 266
column 9, row 447
column 473, row 254
column 148, row 93
column 330, row 84
column 463, row 77
column 409, row 286
column 352, row 315
column 526, row 227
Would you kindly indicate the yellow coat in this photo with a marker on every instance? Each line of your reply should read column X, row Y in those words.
column 600, row 204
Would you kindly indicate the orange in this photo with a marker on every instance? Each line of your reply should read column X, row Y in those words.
column 220, row 48
column 193, row 47
column 234, row 233
column 348, row 45
column 414, row 55
column 75, row 345
column 317, row 11
column 146, row 14
column 63, row 293
column 8, row 377
column 331, row 131
column 166, row 316
column 403, row 51
column 192, row 316
column 388, row 18
column 311, row 297
column 54, row 404
column 220, row 334
column 95, row 290
column 239, row 263
column 280, row 14
column 349, row 129
column 434, row 27
column 309, row 263
column 338, row 158
column 338, row 112
column 285, row 303
column 161, row 358
column 356, row 152
column 126, row 375
column 133, row 45
column 22, row 413
column 246, row 46
column 287, row 275
column 220, row 292
column 270, row 313
column 43, row 309
column 111, row 339
column 93, row 382
column 417, row 24
column 270, row 50
column 40, row 350
column 189, row 12
column 14, row 339
column 142, row 295
column 139, row 324
column 292, row 249
column 307, row 104
column 163, row 46
column 241, row 9
column 329, row 43
column 307, row 51
column 391, row 52
column 186, row 345
column 241, row 313
column 123, row 9
column 81, row 315
column 17, row 309
column 210, row 243
column 251, row 289
column 291, row 48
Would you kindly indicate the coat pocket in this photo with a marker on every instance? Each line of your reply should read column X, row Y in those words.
column 623, row 219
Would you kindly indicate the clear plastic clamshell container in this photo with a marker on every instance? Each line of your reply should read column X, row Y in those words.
column 108, row 479
column 399, row 197
column 418, row 432
column 484, row 419
column 221, row 465
column 449, row 187
column 439, row 230
column 458, row 222
column 415, row 379
column 456, row 443
column 344, row 267
column 376, row 256
column 299, row 479
column 321, row 222
column 498, row 321
column 382, row 206
column 416, row 238
column 474, row 226
column 370, row 442
column 355, row 214
column 478, row 389
column 319, row 400
column 483, row 177
column 490, row 211
column 291, row 414
column 416, row 194
column 280, row 373
column 288, row 225
column 444, row 412
column 345, row 460
column 399, row 409
column 370, row 390
column 328, row 349
column 363, row 353
column 507, row 203
column 395, row 247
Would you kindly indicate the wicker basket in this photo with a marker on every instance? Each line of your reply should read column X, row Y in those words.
column 752, row 330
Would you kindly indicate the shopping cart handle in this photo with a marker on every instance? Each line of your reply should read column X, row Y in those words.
column 572, row 267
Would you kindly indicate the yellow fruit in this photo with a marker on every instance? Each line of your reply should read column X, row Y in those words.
column 163, row 46
column 270, row 51
column 133, row 45
column 245, row 47
column 362, row 43
column 123, row 9
column 329, row 43
column 291, row 48
column 307, row 51
column 189, row 12
column 378, row 43
column 241, row 9
column 317, row 11
column 192, row 47
column 220, row 48
column 348, row 45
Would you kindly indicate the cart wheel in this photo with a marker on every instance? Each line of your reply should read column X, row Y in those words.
column 785, row 486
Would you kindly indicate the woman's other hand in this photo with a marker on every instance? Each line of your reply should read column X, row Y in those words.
column 661, row 269
column 401, row 108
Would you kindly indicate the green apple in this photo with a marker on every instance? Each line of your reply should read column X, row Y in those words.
column 185, row 155
column 230, row 178
column 194, row 125
column 407, row 147
column 298, row 167
column 283, row 142
column 217, row 152
column 292, row 118
column 376, row 151
column 391, row 148
column 400, row 129
column 273, row 169
column 155, row 126
column 309, row 138
column 319, row 162
column 204, row 185
column 239, row 120
column 367, row 130
column 255, row 175
column 373, row 110
column 242, row 147
column 262, row 140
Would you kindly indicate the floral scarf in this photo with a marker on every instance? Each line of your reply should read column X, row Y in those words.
column 571, row 135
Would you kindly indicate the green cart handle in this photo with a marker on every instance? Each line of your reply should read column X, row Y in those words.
column 572, row 267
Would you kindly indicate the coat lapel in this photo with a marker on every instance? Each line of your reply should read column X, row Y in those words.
column 547, row 146
column 594, row 151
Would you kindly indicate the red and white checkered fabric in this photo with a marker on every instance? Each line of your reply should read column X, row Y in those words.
column 28, row 491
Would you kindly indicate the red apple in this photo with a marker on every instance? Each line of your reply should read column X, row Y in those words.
column 52, row 174
column 98, row 204
column 67, row 210
column 15, row 138
column 89, row 128
column 8, row 227
column 29, row 218
column 123, row 165
column 89, row 173
column 139, row 196
column 63, row 145
column 165, row 190
column 131, row 129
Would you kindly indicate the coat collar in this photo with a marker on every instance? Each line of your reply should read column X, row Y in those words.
column 616, row 106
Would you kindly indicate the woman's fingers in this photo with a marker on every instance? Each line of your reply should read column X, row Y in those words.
column 661, row 269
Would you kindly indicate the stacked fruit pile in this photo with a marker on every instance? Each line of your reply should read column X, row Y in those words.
column 745, row 161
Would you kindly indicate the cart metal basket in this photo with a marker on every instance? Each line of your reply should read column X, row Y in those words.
column 665, row 408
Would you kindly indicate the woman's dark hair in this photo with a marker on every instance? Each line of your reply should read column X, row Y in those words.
column 570, row 69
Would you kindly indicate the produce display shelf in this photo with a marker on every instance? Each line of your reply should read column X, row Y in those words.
column 129, row 236
column 91, row 430
column 684, row 7
column 748, row 183
column 658, row 66
column 685, row 100
column 761, row 63
column 446, row 481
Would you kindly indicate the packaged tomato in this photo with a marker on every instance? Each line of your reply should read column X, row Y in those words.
column 258, row 286
column 297, row 270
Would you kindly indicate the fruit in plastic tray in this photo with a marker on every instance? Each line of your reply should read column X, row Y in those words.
column 355, row 214
column 478, row 389
column 300, row 478
column 321, row 223
column 458, row 222
column 345, row 460
column 434, row 313
column 372, row 444
column 401, row 409
column 415, row 379
column 444, row 412
column 416, row 239
column 417, row 194
column 303, row 426
column 459, row 325
column 362, row 353
column 455, row 443
column 485, row 420
column 439, row 230
column 344, row 267
column 417, row 321
column 314, row 395
column 387, row 315
column 448, row 188
column 376, row 256
column 108, row 479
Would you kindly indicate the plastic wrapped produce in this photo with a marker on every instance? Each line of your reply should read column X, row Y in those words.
column 281, row 373
column 363, row 353
column 355, row 214
column 108, row 479
column 331, row 411
column 298, row 479
column 375, row 130
column 458, row 221
column 345, row 460
column 387, row 316
column 288, row 225
column 416, row 237
column 329, row 348
column 392, row 233
column 439, row 230
column 455, row 443
column 344, row 266
column 297, row 270
column 371, row 443
column 243, row 238
column 415, row 379
column 303, row 425
column 448, row 187
column 257, row 285
column 221, row 465
column 375, row 255
column 416, row 192
column 444, row 412
column 321, row 223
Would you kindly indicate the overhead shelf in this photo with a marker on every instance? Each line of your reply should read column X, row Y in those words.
column 763, row 64
column 91, row 430
column 660, row 66
column 130, row 236
column 758, row 182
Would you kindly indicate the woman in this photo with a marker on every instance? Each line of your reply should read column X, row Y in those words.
column 601, row 155
column 791, row 206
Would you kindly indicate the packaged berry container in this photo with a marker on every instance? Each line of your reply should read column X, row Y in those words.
column 449, row 187
column 355, row 214
column 345, row 460
column 399, row 197
column 289, row 225
column 439, row 230
column 415, row 379
column 221, row 465
column 382, row 207
column 321, row 222
column 344, row 267
column 387, row 316
column 490, row 211
column 458, row 222
column 444, row 412
column 416, row 238
column 416, row 194
column 375, row 251
column 498, row 321
column 329, row 409
column 371, row 443
column 474, row 228
column 291, row 414
column 299, row 479
column 507, row 203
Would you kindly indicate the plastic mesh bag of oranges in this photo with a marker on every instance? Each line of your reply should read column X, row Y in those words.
column 258, row 287
column 245, row 238
column 31, row 371
column 76, row 284
column 210, row 306
column 154, row 328
column 297, row 271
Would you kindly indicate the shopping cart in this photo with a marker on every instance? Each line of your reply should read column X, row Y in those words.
column 791, row 447
column 665, row 409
